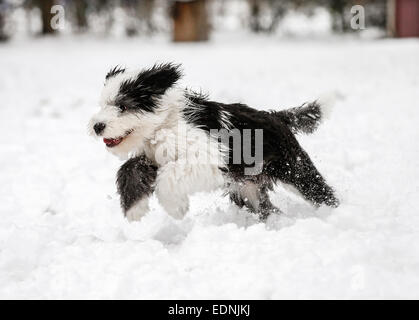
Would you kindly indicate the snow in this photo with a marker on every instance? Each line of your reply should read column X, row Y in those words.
column 62, row 234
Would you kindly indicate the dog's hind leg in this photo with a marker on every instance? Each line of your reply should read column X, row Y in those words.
column 254, row 196
column 135, row 182
column 266, row 207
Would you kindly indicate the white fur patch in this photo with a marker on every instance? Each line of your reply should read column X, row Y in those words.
column 189, row 161
column 188, row 157
column 178, row 179
column 225, row 117
column 138, row 210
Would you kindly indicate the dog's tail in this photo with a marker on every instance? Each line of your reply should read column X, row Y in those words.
column 307, row 117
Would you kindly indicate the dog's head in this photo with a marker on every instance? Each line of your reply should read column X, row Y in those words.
column 132, row 106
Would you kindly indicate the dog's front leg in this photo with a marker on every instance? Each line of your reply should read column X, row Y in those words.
column 135, row 182
column 178, row 179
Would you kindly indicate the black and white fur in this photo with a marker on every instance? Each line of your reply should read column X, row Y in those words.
column 161, row 128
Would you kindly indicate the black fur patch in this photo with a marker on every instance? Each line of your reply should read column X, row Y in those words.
column 305, row 118
column 135, row 180
column 283, row 158
column 114, row 71
column 142, row 92
column 201, row 112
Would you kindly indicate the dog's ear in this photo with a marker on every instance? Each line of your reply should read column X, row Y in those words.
column 114, row 71
column 159, row 78
column 141, row 91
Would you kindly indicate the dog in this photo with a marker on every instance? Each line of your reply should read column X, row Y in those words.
column 169, row 136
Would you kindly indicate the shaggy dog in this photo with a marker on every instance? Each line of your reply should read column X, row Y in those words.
column 178, row 142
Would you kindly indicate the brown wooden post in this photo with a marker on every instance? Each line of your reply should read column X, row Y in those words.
column 81, row 15
column 3, row 35
column 190, row 21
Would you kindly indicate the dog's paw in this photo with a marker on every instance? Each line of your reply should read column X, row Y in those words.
column 177, row 210
column 137, row 211
column 134, row 215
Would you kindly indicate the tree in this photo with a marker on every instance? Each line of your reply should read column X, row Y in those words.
column 46, row 15
column 3, row 34
column 145, row 14
column 139, row 16
column 265, row 15
column 338, row 8
column 80, row 7
column 104, row 8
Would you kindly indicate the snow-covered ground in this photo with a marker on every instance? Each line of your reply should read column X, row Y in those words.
column 62, row 234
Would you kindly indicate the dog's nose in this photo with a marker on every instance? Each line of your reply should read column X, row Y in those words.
column 99, row 127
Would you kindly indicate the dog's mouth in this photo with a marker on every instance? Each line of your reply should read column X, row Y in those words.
column 113, row 142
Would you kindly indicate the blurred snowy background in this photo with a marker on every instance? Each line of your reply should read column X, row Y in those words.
column 62, row 233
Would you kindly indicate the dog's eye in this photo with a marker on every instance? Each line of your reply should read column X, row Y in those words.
column 122, row 108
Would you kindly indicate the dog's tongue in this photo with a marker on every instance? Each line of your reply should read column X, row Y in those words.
column 112, row 142
column 108, row 141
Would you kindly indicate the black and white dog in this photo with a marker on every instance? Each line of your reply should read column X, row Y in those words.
column 171, row 137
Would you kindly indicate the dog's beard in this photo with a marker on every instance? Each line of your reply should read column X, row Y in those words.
column 122, row 133
column 129, row 146
column 126, row 134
